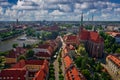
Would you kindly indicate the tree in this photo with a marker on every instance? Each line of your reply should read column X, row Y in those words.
column 78, row 61
column 30, row 32
column 21, row 57
column 28, row 46
column 24, row 45
column 118, row 50
column 4, row 53
column 15, row 45
column 98, row 67
column 105, row 76
column 96, row 76
column 114, row 48
column 2, row 62
column 83, row 64
column 81, row 50
column 29, row 54
column 86, row 73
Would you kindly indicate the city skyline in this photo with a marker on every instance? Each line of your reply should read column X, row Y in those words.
column 59, row 10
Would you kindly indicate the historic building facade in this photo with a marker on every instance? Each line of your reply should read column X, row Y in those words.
column 93, row 42
column 113, row 63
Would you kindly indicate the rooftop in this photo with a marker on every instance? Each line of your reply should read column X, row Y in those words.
column 115, row 59
column 91, row 35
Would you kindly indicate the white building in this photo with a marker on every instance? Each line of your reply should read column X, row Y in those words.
column 113, row 63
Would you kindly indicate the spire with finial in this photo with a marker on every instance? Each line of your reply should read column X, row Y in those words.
column 82, row 19
column 81, row 25
column 93, row 29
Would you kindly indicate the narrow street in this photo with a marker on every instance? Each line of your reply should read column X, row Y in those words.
column 56, row 67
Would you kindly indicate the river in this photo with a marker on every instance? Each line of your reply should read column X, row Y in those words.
column 7, row 44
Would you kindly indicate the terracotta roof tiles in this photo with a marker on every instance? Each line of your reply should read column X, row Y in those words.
column 90, row 35
column 115, row 59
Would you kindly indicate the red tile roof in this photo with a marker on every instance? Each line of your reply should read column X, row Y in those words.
column 19, row 71
column 84, row 35
column 43, row 54
column 94, row 36
column 16, row 52
column 114, row 34
column 46, row 46
column 71, row 72
column 70, row 38
column 115, row 59
column 67, row 61
column 13, row 74
column 22, row 63
column 52, row 43
column 41, row 75
column 71, row 47
column 90, row 35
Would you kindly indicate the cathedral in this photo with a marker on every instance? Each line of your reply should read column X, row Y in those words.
column 93, row 42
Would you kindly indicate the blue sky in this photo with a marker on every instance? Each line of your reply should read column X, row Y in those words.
column 69, row 10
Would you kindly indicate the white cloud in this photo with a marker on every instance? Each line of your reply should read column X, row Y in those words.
column 117, row 9
column 65, row 7
column 56, row 12
column 60, row 9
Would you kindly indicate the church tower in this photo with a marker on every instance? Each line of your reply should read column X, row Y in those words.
column 81, row 19
column 81, row 23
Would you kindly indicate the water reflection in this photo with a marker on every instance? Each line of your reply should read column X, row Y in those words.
column 7, row 45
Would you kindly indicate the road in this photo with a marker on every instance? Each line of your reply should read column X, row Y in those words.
column 56, row 67
column 62, row 66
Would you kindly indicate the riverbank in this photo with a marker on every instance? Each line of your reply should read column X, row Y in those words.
column 10, row 37
column 7, row 44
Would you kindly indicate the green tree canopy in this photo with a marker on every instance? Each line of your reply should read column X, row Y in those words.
column 15, row 45
column 2, row 62
column 21, row 57
column 29, row 54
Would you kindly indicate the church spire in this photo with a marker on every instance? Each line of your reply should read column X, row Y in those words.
column 81, row 24
column 82, row 19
